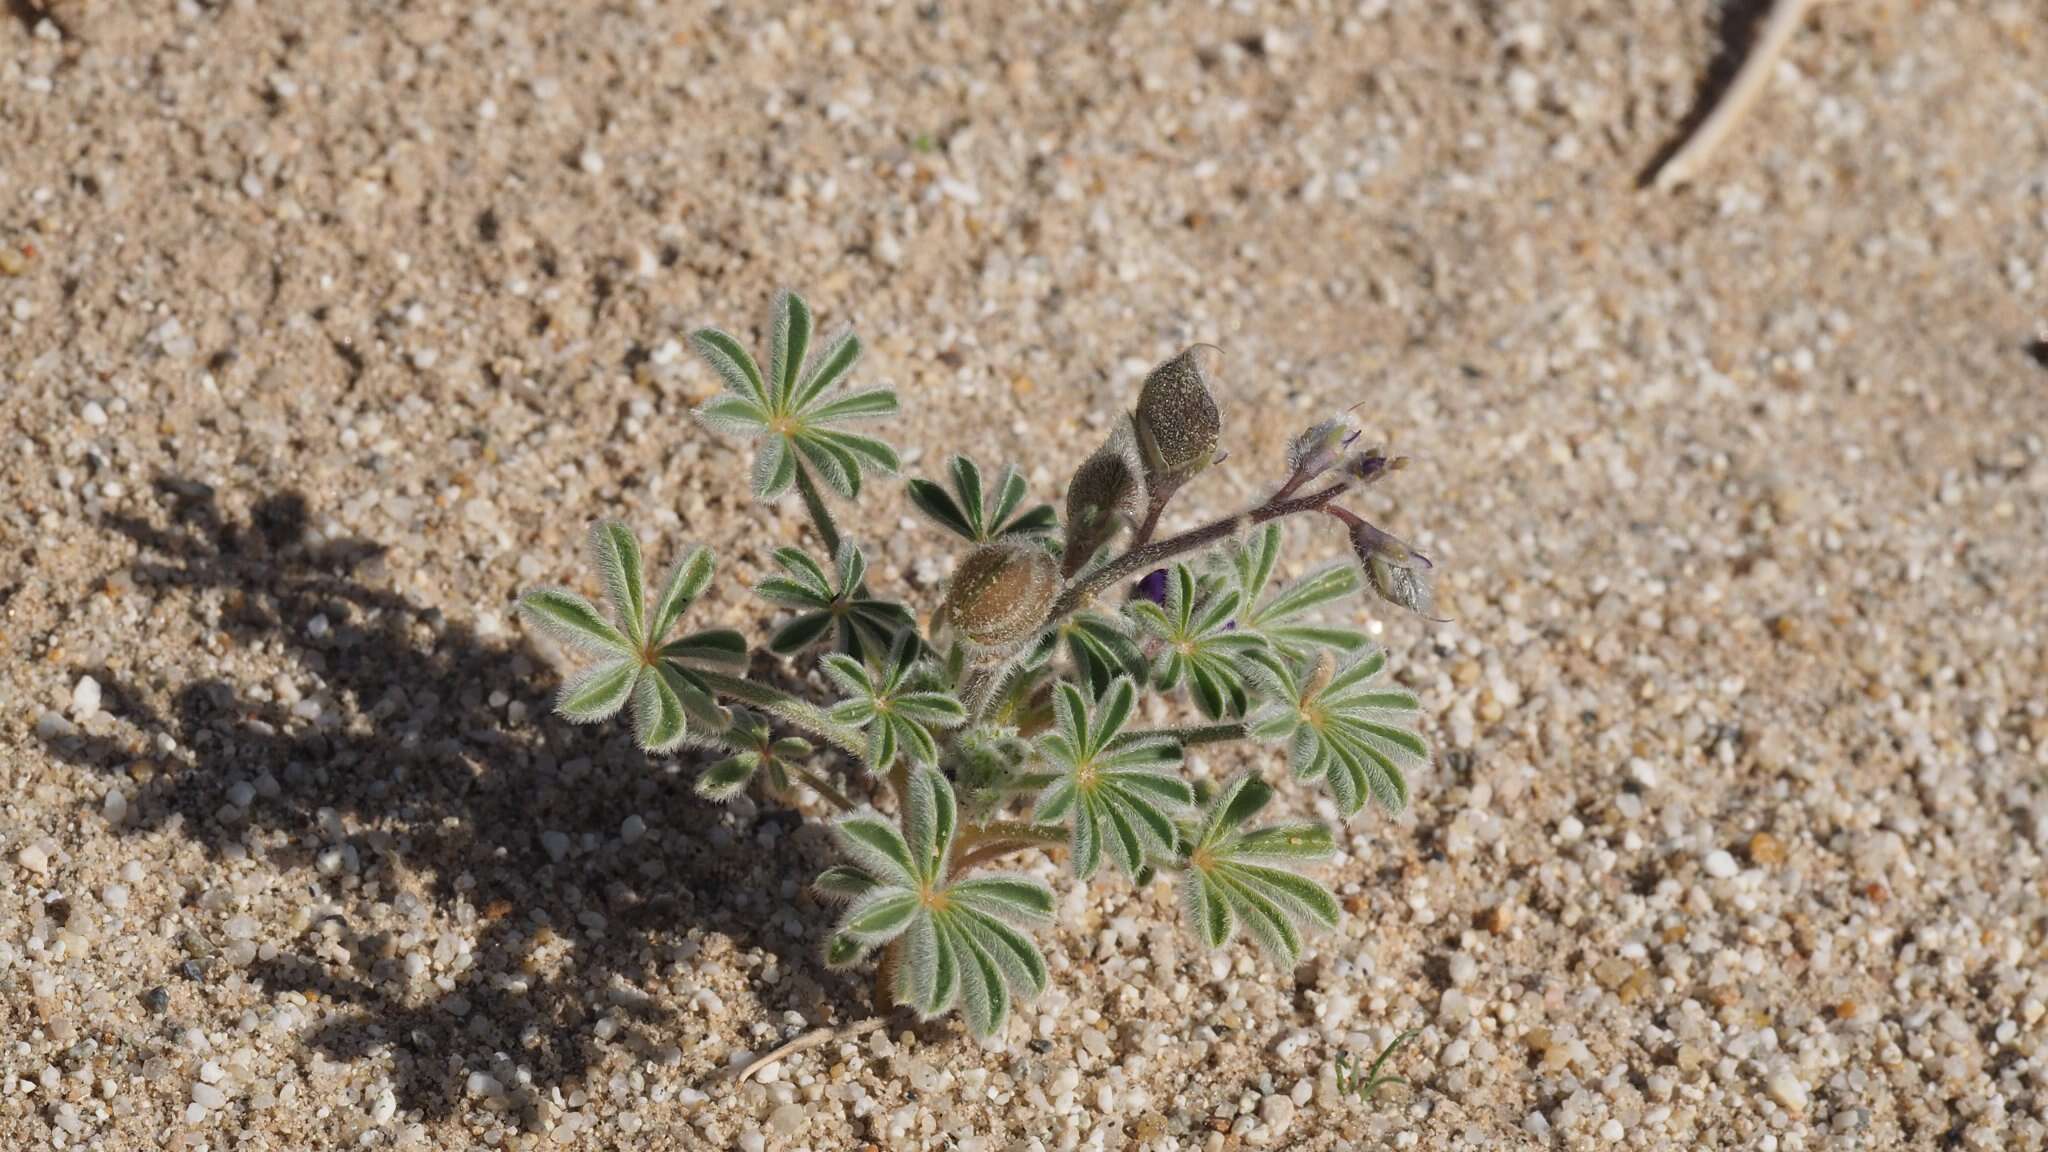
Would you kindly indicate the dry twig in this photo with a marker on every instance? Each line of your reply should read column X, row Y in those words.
column 1750, row 80
column 805, row 1043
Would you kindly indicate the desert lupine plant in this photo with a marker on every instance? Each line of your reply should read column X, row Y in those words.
column 1009, row 724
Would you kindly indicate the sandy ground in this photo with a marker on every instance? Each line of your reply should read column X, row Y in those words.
column 325, row 328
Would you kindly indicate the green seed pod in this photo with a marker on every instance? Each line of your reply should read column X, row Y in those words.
column 1108, row 487
column 1177, row 419
column 1001, row 594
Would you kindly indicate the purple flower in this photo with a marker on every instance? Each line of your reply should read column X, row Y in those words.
column 1152, row 587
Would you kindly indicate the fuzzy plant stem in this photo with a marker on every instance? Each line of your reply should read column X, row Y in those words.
column 885, row 976
column 788, row 709
column 823, row 787
column 1154, row 509
column 1189, row 737
column 983, row 842
column 814, row 503
column 1148, row 556
column 986, row 685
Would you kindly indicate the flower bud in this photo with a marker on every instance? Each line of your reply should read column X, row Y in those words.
column 1397, row 572
column 1319, row 447
column 1177, row 419
column 1405, row 587
column 1001, row 594
column 1107, row 487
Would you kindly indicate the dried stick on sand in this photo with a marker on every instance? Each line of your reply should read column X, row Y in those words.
column 1784, row 19
column 805, row 1042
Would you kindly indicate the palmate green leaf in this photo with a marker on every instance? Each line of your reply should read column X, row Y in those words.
column 774, row 471
column 735, row 416
column 872, row 454
column 805, row 586
column 891, row 702
column 788, row 344
column 872, row 624
column 756, row 753
column 1023, row 967
column 712, row 646
column 734, row 365
column 1343, row 724
column 929, row 819
column 686, row 582
column 800, row 633
column 879, row 916
column 840, row 605
column 1017, row 899
column 659, row 722
column 962, row 943
column 928, row 979
column 984, row 998
column 981, row 514
column 697, row 697
column 642, row 668
column 1121, row 798
column 864, row 404
column 838, row 359
column 1234, row 877
column 878, row 849
column 935, row 502
column 797, row 410
column 843, row 882
column 1102, row 650
column 727, row 778
column 1200, row 643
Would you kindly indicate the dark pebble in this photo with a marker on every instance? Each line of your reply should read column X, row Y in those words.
column 194, row 970
column 156, row 999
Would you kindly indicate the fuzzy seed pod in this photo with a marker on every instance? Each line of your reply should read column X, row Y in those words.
column 1177, row 419
column 1108, row 487
column 1001, row 593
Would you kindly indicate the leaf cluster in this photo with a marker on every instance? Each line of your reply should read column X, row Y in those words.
column 637, row 662
column 964, row 939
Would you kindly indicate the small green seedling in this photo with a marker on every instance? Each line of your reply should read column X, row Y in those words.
column 1348, row 1083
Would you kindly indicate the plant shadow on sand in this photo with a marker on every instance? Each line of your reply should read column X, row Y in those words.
column 417, row 781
